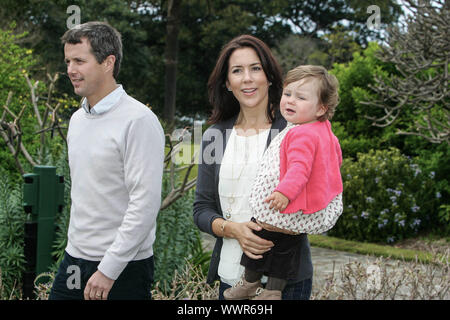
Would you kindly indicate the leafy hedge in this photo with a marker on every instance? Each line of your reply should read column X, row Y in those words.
column 387, row 197
column 12, row 218
column 177, row 237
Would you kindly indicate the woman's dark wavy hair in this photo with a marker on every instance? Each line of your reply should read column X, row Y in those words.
column 225, row 105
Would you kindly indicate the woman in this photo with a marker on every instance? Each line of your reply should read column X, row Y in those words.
column 244, row 89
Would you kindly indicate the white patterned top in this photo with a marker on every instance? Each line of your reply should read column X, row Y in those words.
column 265, row 183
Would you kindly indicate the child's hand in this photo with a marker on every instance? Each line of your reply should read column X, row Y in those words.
column 279, row 201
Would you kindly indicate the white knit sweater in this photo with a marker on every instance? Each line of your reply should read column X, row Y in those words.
column 116, row 166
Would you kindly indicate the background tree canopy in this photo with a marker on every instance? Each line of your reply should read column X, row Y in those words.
column 205, row 26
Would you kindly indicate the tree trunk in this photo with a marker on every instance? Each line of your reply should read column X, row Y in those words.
column 171, row 61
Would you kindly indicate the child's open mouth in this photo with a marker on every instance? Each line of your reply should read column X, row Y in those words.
column 288, row 110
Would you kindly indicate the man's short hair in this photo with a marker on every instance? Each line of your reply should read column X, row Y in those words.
column 104, row 41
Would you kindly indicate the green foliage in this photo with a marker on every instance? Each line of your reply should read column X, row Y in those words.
column 355, row 131
column 314, row 17
column 387, row 197
column 205, row 26
column 12, row 218
column 434, row 162
column 199, row 257
column 341, row 45
column 444, row 217
column 62, row 221
column 15, row 61
column 351, row 144
column 296, row 50
column 177, row 237
column 16, row 64
column 357, row 136
column 354, row 80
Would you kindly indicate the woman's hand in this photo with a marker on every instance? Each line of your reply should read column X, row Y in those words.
column 252, row 245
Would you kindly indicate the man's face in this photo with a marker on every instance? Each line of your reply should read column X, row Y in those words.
column 85, row 73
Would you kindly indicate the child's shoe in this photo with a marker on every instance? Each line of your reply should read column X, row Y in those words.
column 242, row 290
column 264, row 294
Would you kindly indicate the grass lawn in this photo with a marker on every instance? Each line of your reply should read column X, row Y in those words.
column 185, row 161
column 373, row 249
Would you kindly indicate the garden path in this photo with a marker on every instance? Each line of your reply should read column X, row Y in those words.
column 326, row 261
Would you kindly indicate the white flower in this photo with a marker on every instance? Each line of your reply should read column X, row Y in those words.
column 370, row 199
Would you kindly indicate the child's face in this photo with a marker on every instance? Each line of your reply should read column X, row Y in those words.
column 300, row 102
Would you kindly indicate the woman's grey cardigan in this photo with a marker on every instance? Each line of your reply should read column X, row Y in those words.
column 207, row 203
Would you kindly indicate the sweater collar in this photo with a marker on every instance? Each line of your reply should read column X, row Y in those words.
column 104, row 104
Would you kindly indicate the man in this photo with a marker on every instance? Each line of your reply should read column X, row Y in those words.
column 116, row 152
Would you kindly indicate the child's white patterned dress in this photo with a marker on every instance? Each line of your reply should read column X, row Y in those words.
column 265, row 183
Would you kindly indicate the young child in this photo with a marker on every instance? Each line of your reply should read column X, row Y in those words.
column 298, row 188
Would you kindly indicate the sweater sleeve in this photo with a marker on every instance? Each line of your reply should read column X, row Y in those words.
column 299, row 147
column 143, row 162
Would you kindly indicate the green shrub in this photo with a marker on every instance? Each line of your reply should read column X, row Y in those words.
column 62, row 220
column 12, row 218
column 387, row 197
column 17, row 63
column 177, row 237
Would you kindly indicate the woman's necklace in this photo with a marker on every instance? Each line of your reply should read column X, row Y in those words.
column 231, row 200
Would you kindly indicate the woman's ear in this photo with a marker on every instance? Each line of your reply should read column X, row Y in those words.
column 227, row 85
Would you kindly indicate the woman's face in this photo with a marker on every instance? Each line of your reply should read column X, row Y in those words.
column 247, row 80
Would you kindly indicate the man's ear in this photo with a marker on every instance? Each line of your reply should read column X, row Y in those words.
column 109, row 62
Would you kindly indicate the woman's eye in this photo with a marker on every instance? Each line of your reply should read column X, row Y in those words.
column 235, row 71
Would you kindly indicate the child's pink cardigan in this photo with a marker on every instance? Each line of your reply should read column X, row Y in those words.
column 310, row 161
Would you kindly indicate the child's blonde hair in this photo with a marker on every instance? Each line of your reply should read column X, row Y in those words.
column 327, row 84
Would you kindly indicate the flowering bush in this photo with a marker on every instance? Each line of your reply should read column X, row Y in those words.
column 387, row 197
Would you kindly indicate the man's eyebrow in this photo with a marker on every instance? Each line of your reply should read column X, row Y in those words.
column 76, row 59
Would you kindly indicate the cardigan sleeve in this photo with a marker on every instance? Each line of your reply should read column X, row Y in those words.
column 299, row 149
column 205, row 209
